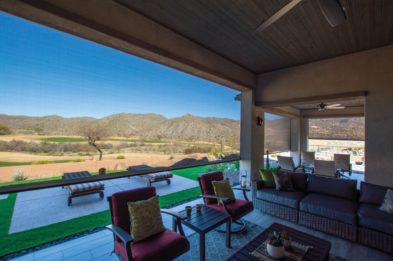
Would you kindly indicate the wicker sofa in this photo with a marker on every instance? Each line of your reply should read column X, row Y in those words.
column 333, row 206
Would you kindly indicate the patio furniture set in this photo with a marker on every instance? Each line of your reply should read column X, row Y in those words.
column 333, row 168
column 333, row 206
column 168, row 245
column 96, row 187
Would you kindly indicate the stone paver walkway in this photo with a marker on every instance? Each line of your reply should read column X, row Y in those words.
column 48, row 206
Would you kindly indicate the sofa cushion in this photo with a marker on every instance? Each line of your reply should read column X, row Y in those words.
column 236, row 209
column 267, row 178
column 372, row 194
column 330, row 207
column 371, row 217
column 342, row 188
column 387, row 204
column 283, row 181
column 287, row 198
column 299, row 181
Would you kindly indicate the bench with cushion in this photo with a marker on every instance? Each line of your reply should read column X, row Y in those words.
column 152, row 177
column 159, row 176
column 82, row 189
column 375, row 226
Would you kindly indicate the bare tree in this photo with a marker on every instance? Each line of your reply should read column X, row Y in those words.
column 94, row 132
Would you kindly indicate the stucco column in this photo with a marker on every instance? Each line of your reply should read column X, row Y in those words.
column 251, row 137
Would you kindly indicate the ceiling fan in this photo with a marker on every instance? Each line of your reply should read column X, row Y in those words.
column 332, row 10
column 324, row 106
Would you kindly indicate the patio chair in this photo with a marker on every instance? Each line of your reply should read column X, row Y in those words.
column 236, row 209
column 166, row 245
column 286, row 164
column 343, row 164
column 325, row 168
column 308, row 158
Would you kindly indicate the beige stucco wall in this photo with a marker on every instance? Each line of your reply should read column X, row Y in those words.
column 370, row 71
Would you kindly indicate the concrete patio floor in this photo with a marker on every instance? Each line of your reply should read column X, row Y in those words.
column 48, row 206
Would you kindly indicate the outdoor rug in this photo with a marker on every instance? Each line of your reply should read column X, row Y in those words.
column 215, row 244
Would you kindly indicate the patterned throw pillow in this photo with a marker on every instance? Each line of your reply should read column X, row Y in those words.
column 283, row 181
column 222, row 188
column 145, row 217
column 267, row 178
column 387, row 204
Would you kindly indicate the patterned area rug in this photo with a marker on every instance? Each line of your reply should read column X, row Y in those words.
column 215, row 244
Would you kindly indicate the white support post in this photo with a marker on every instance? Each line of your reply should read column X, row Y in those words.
column 251, row 138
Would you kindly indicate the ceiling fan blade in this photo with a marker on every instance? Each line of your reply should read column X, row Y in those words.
column 335, row 108
column 333, row 12
column 278, row 15
column 333, row 105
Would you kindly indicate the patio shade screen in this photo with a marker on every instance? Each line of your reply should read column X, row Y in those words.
column 277, row 133
column 337, row 128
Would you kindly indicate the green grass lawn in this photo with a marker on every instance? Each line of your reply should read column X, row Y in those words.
column 191, row 173
column 10, row 164
column 63, row 139
column 38, row 162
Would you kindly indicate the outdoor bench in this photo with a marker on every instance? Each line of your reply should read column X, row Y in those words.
column 82, row 189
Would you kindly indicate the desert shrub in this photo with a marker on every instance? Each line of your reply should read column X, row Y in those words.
column 171, row 157
column 40, row 162
column 4, row 130
column 19, row 175
column 120, row 157
column 76, row 160
column 233, row 166
column 196, row 149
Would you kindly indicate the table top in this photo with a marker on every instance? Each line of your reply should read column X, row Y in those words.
column 204, row 221
column 320, row 250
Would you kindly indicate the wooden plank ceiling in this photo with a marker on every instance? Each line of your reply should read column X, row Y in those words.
column 301, row 36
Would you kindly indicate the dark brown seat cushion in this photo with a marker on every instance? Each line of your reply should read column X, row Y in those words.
column 371, row 217
column 372, row 194
column 330, row 207
column 286, row 198
column 342, row 188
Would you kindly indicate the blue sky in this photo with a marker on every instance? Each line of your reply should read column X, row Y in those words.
column 46, row 72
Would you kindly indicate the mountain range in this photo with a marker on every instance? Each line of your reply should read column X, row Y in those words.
column 187, row 127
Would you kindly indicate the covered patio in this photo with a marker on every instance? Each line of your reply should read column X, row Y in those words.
column 289, row 69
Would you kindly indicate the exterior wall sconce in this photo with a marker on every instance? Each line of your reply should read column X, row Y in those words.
column 259, row 121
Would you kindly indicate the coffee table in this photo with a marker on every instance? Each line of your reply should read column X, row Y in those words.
column 205, row 221
column 319, row 251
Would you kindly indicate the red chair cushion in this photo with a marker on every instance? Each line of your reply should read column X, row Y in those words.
column 205, row 182
column 120, row 214
column 163, row 246
column 236, row 209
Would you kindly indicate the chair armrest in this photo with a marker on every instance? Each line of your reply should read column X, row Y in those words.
column 244, row 191
column 172, row 213
column 177, row 218
column 120, row 233
column 240, row 188
column 215, row 197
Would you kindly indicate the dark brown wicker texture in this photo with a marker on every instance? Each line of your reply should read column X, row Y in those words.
column 274, row 209
column 327, row 225
column 375, row 239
